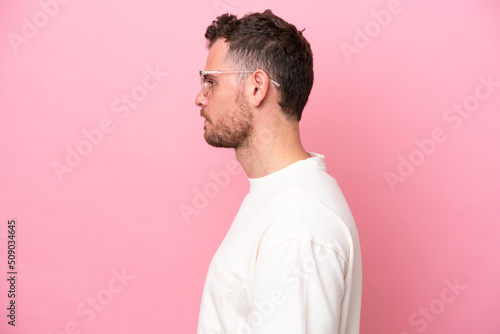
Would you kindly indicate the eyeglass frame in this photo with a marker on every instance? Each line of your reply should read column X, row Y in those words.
column 206, row 87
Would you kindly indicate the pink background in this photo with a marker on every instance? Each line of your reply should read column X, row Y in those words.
column 384, row 106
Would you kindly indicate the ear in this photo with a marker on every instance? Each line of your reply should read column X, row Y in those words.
column 258, row 88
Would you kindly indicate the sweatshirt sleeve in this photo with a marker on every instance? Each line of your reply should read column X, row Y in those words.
column 298, row 288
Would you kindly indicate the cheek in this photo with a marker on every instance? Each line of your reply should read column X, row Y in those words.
column 217, row 108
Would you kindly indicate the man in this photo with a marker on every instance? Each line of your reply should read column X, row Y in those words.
column 290, row 262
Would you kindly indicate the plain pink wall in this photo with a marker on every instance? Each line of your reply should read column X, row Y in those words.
column 103, row 247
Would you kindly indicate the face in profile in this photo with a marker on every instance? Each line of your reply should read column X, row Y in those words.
column 228, row 116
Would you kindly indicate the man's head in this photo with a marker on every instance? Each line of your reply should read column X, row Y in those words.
column 255, row 61
column 265, row 41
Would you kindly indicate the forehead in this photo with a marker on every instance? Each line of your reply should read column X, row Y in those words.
column 216, row 56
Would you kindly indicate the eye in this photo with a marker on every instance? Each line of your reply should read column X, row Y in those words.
column 211, row 83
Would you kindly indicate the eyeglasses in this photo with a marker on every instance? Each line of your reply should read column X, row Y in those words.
column 207, row 84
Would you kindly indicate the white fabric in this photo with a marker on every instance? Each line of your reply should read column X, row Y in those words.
column 290, row 262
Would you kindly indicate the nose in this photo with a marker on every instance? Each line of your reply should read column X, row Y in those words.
column 200, row 100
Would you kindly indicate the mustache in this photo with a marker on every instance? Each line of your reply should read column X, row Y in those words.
column 202, row 114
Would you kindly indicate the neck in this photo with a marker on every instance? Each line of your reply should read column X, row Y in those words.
column 272, row 149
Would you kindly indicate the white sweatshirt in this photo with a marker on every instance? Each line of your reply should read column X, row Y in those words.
column 290, row 262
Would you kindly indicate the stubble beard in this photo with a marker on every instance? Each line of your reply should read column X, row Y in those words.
column 234, row 128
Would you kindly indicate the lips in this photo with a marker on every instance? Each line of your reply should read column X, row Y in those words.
column 202, row 114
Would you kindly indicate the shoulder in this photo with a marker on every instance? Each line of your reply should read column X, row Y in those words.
column 310, row 206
